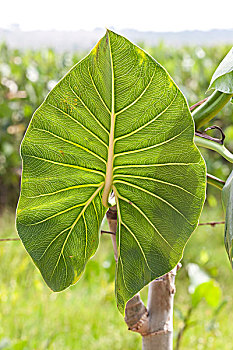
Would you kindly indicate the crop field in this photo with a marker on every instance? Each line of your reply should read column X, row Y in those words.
column 85, row 316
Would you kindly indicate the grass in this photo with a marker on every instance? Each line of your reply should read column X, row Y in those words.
column 85, row 316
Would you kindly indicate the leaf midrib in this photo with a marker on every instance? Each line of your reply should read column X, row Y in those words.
column 109, row 167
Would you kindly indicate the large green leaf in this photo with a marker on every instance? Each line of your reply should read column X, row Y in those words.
column 222, row 79
column 227, row 197
column 117, row 122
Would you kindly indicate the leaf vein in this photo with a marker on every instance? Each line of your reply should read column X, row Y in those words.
column 97, row 91
column 72, row 143
column 145, row 216
column 53, row 216
column 66, row 165
column 156, row 196
column 148, row 165
column 139, row 97
column 64, row 189
column 80, row 124
column 89, row 111
column 153, row 146
column 156, row 180
column 139, row 245
column 148, row 123
column 75, row 222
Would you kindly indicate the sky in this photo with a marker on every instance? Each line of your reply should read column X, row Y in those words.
column 142, row 15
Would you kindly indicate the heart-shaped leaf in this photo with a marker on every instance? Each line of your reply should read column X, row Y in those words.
column 116, row 122
column 222, row 79
column 227, row 197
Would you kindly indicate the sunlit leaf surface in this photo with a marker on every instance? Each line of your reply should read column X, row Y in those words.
column 116, row 121
column 222, row 79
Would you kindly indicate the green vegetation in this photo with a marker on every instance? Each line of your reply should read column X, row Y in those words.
column 115, row 122
column 85, row 316
column 27, row 77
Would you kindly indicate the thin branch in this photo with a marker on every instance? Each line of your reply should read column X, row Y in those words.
column 197, row 104
column 212, row 223
column 114, row 234
column 9, row 239
column 214, row 146
column 208, row 110
column 216, row 127
column 207, row 137
column 215, row 181
column 109, row 232
column 184, row 328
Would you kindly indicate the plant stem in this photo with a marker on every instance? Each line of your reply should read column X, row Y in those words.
column 208, row 110
column 214, row 146
column 159, row 334
column 109, row 232
column 136, row 315
column 184, row 328
column 197, row 104
column 214, row 181
column 112, row 223
column 212, row 223
column 9, row 239
column 156, row 324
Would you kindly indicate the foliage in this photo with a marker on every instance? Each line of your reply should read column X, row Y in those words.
column 222, row 79
column 34, row 317
column 200, row 292
column 116, row 122
column 85, row 316
column 201, row 287
column 34, row 73
column 25, row 79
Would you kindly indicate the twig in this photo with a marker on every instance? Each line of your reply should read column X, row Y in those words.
column 9, row 239
column 197, row 104
column 184, row 328
column 213, row 223
column 109, row 232
column 216, row 127
column 114, row 234
column 207, row 137
column 215, row 181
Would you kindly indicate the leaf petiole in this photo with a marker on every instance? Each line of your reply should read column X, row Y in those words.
column 214, row 146
column 208, row 110
column 214, row 181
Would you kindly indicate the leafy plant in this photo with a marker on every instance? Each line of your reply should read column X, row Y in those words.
column 117, row 125
column 113, row 123
column 26, row 77
column 222, row 79
column 201, row 288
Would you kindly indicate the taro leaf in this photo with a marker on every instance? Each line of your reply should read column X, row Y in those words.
column 115, row 121
column 222, row 80
column 227, row 197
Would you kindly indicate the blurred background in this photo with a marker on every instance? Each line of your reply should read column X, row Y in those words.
column 39, row 43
